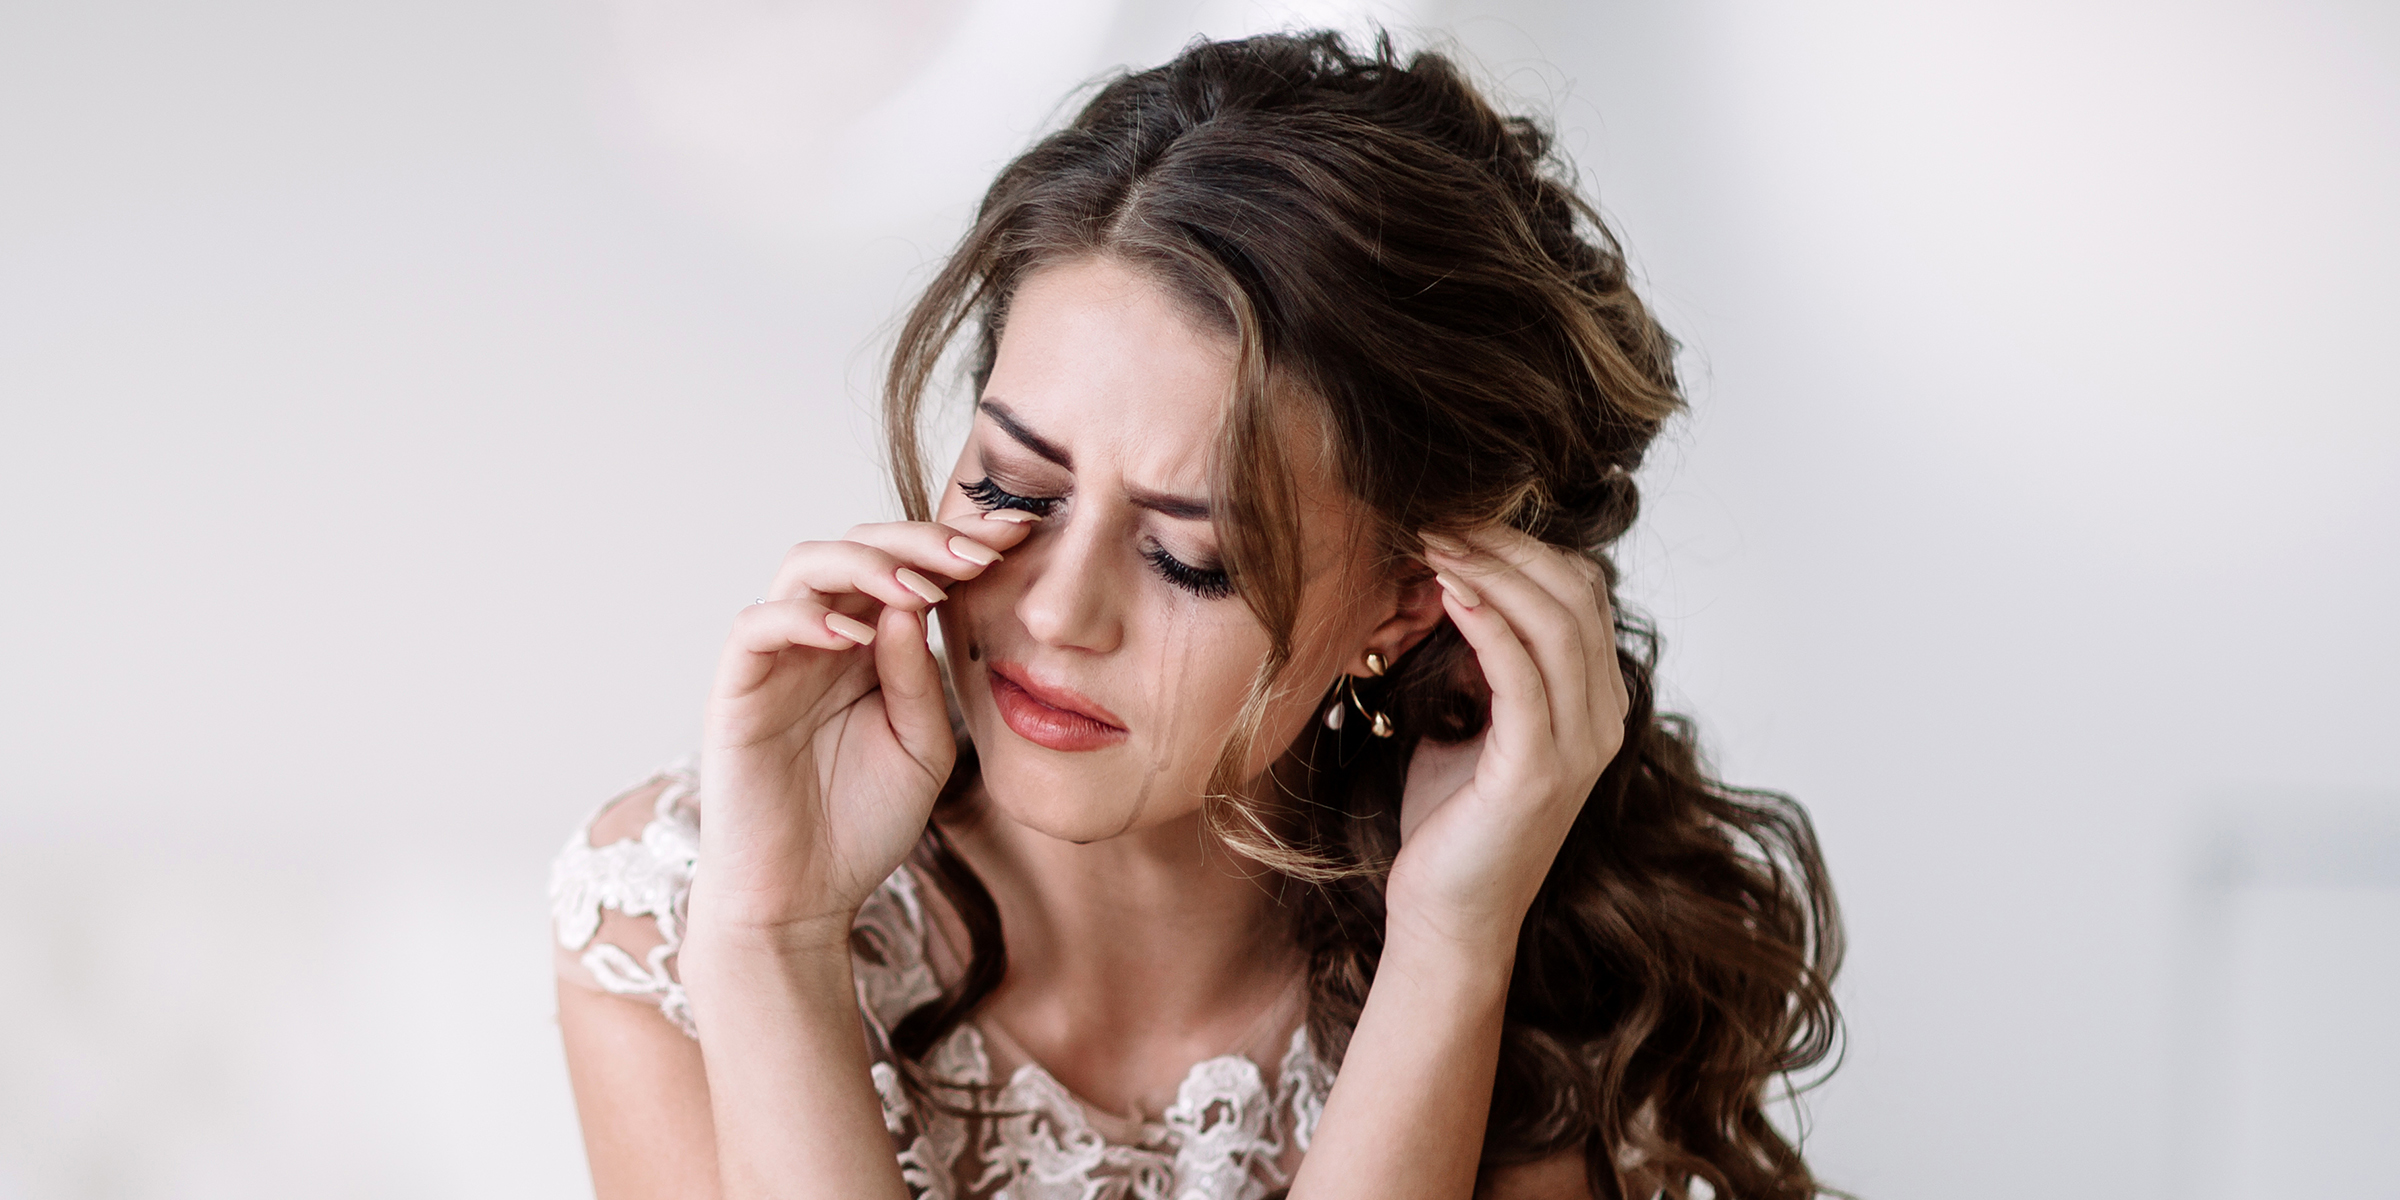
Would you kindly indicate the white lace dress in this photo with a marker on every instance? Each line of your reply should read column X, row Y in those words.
column 1235, row 1128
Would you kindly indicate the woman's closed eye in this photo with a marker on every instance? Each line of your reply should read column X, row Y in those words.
column 1208, row 583
column 986, row 495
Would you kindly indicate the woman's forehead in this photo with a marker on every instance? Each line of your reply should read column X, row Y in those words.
column 1102, row 365
column 1105, row 372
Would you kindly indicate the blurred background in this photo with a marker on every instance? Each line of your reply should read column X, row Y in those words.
column 396, row 401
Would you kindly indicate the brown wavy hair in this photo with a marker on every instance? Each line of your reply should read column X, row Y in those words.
column 1414, row 270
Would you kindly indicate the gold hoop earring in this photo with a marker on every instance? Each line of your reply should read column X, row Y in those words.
column 1378, row 723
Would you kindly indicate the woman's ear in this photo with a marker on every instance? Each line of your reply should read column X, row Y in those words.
column 1415, row 611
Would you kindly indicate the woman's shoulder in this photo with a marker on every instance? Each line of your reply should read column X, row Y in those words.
column 620, row 890
column 635, row 856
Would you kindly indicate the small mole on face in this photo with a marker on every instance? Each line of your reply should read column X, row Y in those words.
column 974, row 652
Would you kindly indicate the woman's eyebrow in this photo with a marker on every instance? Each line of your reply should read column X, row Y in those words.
column 1165, row 504
column 1008, row 423
column 1181, row 507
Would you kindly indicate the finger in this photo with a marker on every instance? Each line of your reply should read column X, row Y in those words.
column 1001, row 527
column 765, row 630
column 1580, row 584
column 912, row 689
column 936, row 555
column 1520, row 701
column 1547, row 629
column 1609, row 692
column 1571, row 577
column 1581, row 587
column 1614, row 694
column 838, row 571
column 937, row 545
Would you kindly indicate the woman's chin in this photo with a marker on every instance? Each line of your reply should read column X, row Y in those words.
column 1080, row 810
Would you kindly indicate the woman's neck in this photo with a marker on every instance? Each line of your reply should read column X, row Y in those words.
column 1131, row 958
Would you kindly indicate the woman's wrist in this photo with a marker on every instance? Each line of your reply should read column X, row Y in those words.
column 746, row 920
column 776, row 1005
column 1481, row 935
column 814, row 954
column 1422, row 1056
column 1438, row 958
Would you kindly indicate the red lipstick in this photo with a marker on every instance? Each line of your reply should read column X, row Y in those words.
column 1050, row 715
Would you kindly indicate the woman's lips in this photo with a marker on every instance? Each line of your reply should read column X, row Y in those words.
column 1048, row 716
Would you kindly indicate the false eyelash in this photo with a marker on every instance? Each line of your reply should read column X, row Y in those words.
column 986, row 495
column 1208, row 583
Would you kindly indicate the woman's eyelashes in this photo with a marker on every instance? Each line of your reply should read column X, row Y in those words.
column 1208, row 583
column 987, row 496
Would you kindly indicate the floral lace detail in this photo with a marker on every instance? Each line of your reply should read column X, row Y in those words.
column 647, row 878
column 1229, row 1135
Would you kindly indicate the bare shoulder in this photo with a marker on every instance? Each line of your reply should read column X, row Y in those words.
column 1558, row 1177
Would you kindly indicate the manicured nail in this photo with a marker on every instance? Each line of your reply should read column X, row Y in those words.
column 1446, row 544
column 851, row 627
column 1458, row 589
column 974, row 551
column 1012, row 516
column 920, row 585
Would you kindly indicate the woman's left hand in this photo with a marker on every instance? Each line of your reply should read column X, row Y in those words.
column 1480, row 823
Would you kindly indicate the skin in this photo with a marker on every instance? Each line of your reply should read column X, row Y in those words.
column 1137, row 944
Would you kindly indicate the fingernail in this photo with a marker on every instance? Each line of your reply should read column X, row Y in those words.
column 974, row 551
column 920, row 585
column 1458, row 589
column 1012, row 516
column 851, row 627
column 1446, row 544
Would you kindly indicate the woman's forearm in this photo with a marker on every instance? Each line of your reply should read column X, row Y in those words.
column 1407, row 1112
column 795, row 1110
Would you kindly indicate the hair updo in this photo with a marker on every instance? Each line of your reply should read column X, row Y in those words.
column 1408, row 267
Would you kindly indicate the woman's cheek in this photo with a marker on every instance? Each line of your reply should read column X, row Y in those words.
column 1232, row 651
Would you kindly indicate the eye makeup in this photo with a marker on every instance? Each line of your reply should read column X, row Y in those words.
column 988, row 496
column 1208, row 583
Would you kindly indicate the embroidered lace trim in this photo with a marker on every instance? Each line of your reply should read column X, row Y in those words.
column 1231, row 1133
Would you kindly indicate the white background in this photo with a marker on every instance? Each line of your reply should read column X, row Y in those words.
column 396, row 400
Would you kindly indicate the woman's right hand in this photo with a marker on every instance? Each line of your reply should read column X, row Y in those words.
column 827, row 737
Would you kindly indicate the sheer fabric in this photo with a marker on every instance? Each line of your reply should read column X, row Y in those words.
column 1235, row 1128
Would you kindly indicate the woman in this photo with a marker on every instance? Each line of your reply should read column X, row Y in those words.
column 1284, row 807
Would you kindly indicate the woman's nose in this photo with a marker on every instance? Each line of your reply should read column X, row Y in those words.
column 1068, row 597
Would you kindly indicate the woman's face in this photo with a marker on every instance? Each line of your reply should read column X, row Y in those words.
column 1101, row 665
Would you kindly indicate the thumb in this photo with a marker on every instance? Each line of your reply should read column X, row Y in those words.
column 912, row 691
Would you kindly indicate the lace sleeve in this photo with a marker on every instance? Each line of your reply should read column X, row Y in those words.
column 618, row 892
